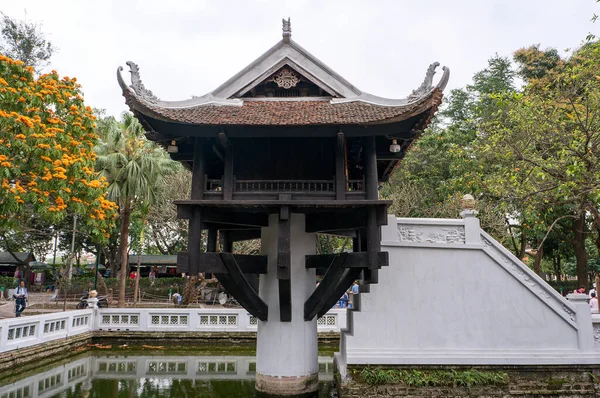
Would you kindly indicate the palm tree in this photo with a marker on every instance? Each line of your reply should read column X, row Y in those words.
column 133, row 166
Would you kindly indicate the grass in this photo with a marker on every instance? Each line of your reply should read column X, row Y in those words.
column 431, row 378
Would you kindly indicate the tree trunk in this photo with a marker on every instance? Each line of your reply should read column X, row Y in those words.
column 523, row 244
column 123, row 245
column 579, row 235
column 136, row 291
column 537, row 262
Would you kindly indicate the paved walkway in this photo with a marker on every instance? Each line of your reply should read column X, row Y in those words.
column 7, row 307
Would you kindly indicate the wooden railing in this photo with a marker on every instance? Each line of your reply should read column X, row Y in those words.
column 284, row 186
column 216, row 185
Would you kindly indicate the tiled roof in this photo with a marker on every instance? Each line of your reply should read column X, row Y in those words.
column 7, row 258
column 289, row 113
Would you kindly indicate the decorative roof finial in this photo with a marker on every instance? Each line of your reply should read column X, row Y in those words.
column 287, row 30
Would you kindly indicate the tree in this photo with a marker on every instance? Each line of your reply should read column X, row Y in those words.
column 46, row 158
column 24, row 41
column 545, row 145
column 168, row 233
column 133, row 166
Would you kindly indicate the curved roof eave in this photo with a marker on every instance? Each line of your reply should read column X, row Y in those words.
column 144, row 101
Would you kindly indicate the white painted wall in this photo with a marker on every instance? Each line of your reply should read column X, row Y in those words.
column 453, row 295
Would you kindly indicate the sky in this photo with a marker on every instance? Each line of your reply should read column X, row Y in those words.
column 186, row 48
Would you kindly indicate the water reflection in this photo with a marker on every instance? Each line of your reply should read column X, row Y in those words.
column 104, row 376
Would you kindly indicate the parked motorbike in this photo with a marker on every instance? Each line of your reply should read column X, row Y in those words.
column 102, row 302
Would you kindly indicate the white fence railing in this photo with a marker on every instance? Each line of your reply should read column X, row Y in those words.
column 26, row 331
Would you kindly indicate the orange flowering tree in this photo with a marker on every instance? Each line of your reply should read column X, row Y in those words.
column 47, row 137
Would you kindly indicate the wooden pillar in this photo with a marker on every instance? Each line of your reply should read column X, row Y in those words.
column 283, row 268
column 227, row 243
column 198, row 170
column 194, row 240
column 228, row 168
column 195, row 222
column 371, row 193
column 340, row 175
column 211, row 240
column 371, row 179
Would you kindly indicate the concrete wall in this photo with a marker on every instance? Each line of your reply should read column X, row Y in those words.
column 453, row 295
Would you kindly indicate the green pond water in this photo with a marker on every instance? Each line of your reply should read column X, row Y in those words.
column 121, row 370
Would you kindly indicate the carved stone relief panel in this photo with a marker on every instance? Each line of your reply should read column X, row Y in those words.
column 431, row 233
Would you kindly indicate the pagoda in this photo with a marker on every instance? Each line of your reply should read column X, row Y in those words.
column 282, row 151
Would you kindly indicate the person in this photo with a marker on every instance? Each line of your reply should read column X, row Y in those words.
column 132, row 275
column 593, row 290
column 152, row 277
column 343, row 302
column 21, row 297
column 594, row 303
column 581, row 290
column 355, row 287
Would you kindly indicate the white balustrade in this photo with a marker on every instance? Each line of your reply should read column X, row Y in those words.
column 27, row 331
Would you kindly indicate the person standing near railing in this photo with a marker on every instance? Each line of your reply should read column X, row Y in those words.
column 21, row 297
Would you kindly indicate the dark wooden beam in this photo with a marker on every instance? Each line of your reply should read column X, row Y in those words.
column 319, row 296
column 353, row 260
column 226, row 242
column 340, row 169
column 237, row 218
column 211, row 262
column 211, row 240
column 241, row 289
column 228, row 179
column 194, row 241
column 285, row 300
column 283, row 250
column 344, row 282
column 284, row 260
column 237, row 235
column 198, row 170
column 373, row 237
column 329, row 222
column 370, row 158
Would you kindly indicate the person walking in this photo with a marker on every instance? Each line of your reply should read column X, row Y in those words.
column 21, row 297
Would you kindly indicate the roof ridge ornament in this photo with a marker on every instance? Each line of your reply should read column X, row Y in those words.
column 137, row 86
column 286, row 30
column 427, row 84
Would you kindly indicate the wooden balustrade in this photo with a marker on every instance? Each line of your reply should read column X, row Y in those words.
column 216, row 185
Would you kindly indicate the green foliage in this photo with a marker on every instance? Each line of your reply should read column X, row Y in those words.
column 24, row 41
column 432, row 378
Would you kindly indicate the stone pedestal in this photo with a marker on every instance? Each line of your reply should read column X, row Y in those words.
column 286, row 352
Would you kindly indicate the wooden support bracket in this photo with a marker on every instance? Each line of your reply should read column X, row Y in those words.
column 238, row 286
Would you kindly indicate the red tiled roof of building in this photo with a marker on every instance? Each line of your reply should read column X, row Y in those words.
column 289, row 113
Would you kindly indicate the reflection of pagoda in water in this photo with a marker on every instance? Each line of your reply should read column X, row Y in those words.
column 283, row 150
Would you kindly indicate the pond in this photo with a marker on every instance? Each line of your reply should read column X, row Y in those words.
column 151, row 371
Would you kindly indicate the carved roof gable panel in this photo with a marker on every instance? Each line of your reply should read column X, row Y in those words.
column 296, row 58
column 287, row 82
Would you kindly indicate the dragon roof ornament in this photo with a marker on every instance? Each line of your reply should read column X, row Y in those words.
column 136, row 84
column 286, row 30
column 427, row 84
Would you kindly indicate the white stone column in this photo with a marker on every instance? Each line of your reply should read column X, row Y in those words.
column 585, row 329
column 286, row 352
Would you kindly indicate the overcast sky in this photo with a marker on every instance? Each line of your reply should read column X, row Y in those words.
column 186, row 48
